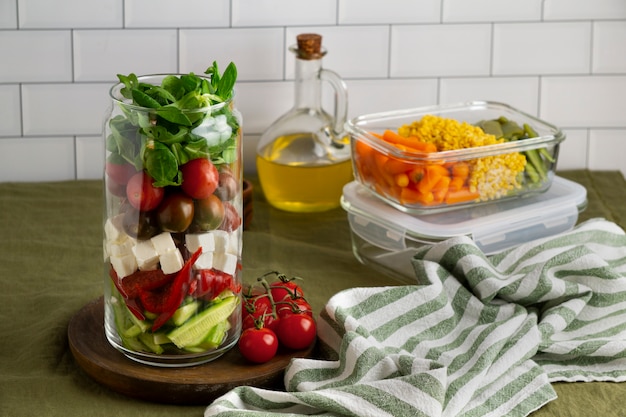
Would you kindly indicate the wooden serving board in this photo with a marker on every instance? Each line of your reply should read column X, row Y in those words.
column 194, row 385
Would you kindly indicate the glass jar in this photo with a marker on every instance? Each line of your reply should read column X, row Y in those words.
column 303, row 158
column 172, row 222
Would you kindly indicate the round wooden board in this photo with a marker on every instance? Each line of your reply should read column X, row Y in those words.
column 195, row 385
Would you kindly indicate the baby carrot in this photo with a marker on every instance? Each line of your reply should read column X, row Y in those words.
column 460, row 196
column 401, row 180
column 396, row 166
column 410, row 142
column 456, row 183
column 460, row 169
column 416, row 174
column 441, row 189
column 432, row 175
column 409, row 195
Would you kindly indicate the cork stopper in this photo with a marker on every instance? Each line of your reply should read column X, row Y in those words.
column 310, row 46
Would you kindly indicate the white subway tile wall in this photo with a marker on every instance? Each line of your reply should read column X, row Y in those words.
column 562, row 60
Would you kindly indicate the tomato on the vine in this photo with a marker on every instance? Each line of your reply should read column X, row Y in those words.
column 296, row 331
column 295, row 306
column 280, row 306
column 142, row 194
column 258, row 310
column 258, row 345
column 285, row 290
column 200, row 178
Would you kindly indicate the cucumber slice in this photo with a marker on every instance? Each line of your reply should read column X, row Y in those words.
column 133, row 343
column 144, row 325
column 185, row 312
column 132, row 331
column 216, row 335
column 160, row 338
column 195, row 330
column 148, row 340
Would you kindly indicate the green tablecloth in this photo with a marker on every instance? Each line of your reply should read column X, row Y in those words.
column 51, row 266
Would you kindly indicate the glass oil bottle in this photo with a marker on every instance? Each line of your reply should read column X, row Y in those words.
column 303, row 158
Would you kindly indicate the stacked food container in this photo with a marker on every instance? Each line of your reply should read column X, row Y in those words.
column 480, row 169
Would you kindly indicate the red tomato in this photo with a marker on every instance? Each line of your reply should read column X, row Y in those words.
column 296, row 331
column 257, row 309
column 285, row 290
column 232, row 220
column 142, row 194
column 200, row 178
column 210, row 283
column 120, row 173
column 258, row 345
column 115, row 188
column 298, row 305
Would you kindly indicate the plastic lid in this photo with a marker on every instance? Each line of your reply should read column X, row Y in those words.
column 494, row 227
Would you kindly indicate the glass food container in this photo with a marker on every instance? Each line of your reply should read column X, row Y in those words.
column 439, row 158
column 386, row 239
column 303, row 158
column 173, row 217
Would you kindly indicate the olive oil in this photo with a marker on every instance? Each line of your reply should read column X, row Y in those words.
column 301, row 186
column 303, row 158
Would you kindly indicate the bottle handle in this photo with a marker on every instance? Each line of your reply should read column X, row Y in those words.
column 337, row 133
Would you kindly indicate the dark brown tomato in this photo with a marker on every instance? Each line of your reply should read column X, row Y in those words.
column 140, row 224
column 209, row 213
column 175, row 213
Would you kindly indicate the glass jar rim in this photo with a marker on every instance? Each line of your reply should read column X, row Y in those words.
column 116, row 96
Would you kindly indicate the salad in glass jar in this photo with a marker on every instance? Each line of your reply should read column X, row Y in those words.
column 173, row 217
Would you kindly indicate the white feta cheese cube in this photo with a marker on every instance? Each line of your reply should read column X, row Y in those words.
column 233, row 243
column 204, row 240
column 124, row 265
column 163, row 243
column 221, row 241
column 225, row 262
column 205, row 261
column 113, row 228
column 171, row 261
column 120, row 247
column 147, row 257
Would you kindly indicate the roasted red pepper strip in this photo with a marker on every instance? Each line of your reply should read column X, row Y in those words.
column 131, row 303
column 140, row 281
column 177, row 292
column 154, row 300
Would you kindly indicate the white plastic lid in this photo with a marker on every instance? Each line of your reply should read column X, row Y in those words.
column 494, row 227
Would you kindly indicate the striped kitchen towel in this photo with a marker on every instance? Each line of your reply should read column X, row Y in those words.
column 477, row 335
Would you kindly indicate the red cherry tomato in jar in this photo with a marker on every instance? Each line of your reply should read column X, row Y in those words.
column 142, row 194
column 258, row 345
column 119, row 172
column 296, row 331
column 232, row 220
column 200, row 178
column 115, row 188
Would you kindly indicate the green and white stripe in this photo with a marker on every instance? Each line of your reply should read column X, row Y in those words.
column 477, row 335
